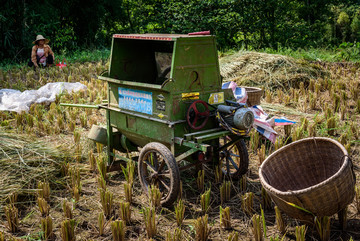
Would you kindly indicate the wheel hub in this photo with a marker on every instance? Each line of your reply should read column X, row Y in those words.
column 224, row 153
column 154, row 175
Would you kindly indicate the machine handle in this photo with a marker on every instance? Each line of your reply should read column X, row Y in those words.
column 235, row 104
column 80, row 105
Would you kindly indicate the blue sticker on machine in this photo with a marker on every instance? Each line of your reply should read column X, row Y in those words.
column 136, row 100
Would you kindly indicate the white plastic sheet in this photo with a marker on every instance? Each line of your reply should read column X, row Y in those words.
column 14, row 100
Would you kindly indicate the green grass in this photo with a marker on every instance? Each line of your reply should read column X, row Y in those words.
column 345, row 52
column 84, row 56
column 349, row 52
column 340, row 54
column 80, row 56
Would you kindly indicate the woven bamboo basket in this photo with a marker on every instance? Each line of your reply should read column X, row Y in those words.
column 254, row 95
column 314, row 173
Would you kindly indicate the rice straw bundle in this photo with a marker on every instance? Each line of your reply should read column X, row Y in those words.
column 24, row 162
column 271, row 71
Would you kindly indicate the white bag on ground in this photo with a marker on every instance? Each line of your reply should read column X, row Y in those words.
column 14, row 100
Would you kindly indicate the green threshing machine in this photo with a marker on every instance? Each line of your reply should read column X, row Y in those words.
column 165, row 101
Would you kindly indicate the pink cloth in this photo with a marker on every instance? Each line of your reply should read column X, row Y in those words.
column 262, row 125
column 41, row 54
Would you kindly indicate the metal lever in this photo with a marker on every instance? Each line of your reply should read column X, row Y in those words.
column 235, row 104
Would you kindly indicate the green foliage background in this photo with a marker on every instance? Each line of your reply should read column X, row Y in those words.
column 73, row 25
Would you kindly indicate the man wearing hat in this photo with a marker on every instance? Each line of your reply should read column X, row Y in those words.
column 41, row 53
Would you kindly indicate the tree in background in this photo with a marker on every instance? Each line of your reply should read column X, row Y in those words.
column 68, row 24
column 343, row 22
column 11, row 29
column 355, row 27
column 253, row 24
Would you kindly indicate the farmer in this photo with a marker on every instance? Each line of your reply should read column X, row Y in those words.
column 41, row 53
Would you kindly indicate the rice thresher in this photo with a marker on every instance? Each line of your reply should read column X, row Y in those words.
column 165, row 101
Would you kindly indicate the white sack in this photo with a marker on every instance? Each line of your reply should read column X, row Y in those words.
column 14, row 100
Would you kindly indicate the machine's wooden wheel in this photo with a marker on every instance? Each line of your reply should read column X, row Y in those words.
column 234, row 159
column 157, row 166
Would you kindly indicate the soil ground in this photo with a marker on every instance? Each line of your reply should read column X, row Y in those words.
column 55, row 153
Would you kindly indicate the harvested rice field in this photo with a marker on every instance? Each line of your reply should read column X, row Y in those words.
column 54, row 184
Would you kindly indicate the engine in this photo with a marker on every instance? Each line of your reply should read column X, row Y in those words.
column 239, row 117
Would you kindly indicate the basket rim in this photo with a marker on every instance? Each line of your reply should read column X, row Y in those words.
column 251, row 87
column 320, row 184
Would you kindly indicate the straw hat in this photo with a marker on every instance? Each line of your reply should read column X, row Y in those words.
column 40, row 37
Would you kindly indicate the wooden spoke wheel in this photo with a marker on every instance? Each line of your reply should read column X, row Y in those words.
column 157, row 166
column 234, row 159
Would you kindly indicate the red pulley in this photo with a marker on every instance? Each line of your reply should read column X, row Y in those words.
column 193, row 115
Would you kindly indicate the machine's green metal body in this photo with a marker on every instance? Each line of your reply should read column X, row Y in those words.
column 144, row 106
column 159, row 86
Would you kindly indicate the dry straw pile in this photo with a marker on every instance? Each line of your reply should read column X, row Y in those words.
column 267, row 70
column 23, row 162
